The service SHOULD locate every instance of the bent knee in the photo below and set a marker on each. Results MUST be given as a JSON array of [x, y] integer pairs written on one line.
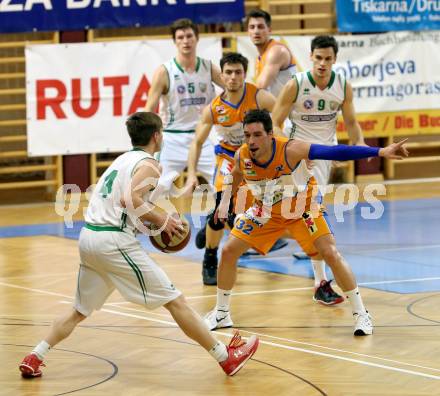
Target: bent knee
[[177, 303], [330, 254]]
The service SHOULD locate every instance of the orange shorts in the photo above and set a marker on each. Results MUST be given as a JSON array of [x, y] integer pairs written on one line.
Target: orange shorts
[[223, 167], [261, 235]]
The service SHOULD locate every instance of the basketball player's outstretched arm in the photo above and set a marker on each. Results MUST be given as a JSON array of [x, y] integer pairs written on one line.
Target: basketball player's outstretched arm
[[298, 150]]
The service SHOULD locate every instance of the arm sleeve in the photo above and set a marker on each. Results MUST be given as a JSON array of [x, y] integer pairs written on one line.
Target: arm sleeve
[[341, 152]]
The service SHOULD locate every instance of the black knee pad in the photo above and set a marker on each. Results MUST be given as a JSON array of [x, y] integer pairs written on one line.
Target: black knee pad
[[231, 220], [220, 225], [215, 226]]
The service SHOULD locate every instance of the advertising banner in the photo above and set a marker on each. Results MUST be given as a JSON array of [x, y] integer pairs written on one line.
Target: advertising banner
[[54, 15], [396, 83], [78, 96], [375, 16]]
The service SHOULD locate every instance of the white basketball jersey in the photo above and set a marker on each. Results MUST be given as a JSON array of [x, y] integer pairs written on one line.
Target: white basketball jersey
[[187, 95], [282, 78], [105, 207], [315, 111]]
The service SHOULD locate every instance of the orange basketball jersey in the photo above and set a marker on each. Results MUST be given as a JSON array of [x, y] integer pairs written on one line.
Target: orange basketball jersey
[[228, 117], [261, 60], [283, 75], [277, 180]]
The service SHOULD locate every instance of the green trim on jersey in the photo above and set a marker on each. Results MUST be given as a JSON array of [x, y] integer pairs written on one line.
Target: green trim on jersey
[[169, 81], [179, 131], [123, 220], [137, 272], [181, 68], [136, 164], [95, 227], [178, 66], [332, 80], [330, 83], [298, 88], [312, 81], [345, 88], [137, 149]]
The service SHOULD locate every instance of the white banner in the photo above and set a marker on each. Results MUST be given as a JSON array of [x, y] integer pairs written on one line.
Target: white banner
[[389, 72], [78, 96]]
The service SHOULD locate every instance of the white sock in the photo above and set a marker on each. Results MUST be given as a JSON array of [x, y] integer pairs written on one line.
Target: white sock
[[41, 349], [223, 299], [354, 296], [219, 352], [318, 271]]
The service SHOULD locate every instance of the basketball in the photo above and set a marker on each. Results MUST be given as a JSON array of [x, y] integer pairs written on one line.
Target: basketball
[[163, 242]]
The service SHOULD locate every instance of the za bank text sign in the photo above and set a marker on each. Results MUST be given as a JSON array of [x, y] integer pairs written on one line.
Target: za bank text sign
[[53, 15], [387, 15]]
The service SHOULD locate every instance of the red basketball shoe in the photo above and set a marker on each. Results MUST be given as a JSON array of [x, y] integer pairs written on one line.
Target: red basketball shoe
[[30, 366], [239, 352]]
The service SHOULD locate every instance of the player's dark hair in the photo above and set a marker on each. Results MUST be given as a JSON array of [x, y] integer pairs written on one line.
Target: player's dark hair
[[141, 127], [234, 58], [258, 13], [325, 42], [183, 23], [259, 115]]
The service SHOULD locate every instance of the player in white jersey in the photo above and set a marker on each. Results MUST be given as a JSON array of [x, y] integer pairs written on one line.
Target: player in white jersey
[[312, 101], [112, 258], [183, 86]]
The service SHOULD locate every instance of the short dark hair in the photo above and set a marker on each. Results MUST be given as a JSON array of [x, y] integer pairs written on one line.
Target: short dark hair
[[325, 42], [258, 13], [183, 23], [259, 115], [141, 127], [234, 57]]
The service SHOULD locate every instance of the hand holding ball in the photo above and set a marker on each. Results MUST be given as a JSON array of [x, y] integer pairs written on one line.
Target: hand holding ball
[[177, 242]]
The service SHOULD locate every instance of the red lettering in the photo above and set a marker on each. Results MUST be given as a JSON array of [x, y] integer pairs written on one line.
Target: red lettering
[[85, 112], [140, 97], [53, 102], [340, 126], [403, 122], [368, 125], [426, 121], [117, 83]]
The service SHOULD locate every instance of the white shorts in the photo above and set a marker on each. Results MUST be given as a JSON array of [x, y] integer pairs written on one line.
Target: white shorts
[[174, 156], [321, 170], [111, 259]]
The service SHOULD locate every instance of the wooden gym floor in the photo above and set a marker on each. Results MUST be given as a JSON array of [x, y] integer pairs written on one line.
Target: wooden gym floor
[[306, 349]]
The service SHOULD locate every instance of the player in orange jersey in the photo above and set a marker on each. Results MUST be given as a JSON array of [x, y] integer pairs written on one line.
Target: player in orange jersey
[[285, 199], [275, 65], [225, 113]]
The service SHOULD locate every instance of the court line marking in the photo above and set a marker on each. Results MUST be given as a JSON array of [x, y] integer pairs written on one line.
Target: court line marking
[[344, 251], [362, 362], [34, 290], [256, 292], [34, 276], [328, 355]]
